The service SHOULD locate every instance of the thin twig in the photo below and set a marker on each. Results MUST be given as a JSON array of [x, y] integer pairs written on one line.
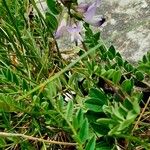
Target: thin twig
[[137, 122], [5, 134]]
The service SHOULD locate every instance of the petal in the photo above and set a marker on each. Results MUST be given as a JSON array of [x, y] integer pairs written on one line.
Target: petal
[[61, 29], [75, 30], [82, 7], [96, 21], [59, 33], [90, 12], [79, 37], [76, 37]]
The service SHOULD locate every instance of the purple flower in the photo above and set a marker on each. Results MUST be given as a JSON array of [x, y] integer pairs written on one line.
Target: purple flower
[[61, 29], [75, 30], [82, 7], [96, 21], [89, 10]]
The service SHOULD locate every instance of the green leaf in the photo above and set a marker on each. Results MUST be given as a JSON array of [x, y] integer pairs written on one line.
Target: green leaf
[[75, 123], [125, 124], [60, 103], [110, 55], [84, 131], [15, 79], [114, 130], [109, 73], [94, 105], [131, 115], [96, 101], [128, 104], [112, 50], [51, 20], [80, 117], [136, 106], [91, 144], [2, 142], [97, 36], [53, 6], [145, 68], [9, 75], [98, 94], [100, 128], [139, 75], [127, 86], [145, 60], [128, 66], [117, 114], [119, 60], [103, 49], [106, 121], [103, 147], [25, 85], [104, 56], [118, 55], [51, 90], [69, 111], [148, 56], [116, 76]]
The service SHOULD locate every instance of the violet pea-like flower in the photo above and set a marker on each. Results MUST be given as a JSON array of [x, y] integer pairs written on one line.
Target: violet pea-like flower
[[89, 10], [75, 30]]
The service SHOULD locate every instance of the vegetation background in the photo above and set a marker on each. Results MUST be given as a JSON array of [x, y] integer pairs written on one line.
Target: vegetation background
[[47, 102]]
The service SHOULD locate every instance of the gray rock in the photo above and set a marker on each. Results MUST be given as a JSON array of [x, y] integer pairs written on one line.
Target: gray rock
[[127, 26]]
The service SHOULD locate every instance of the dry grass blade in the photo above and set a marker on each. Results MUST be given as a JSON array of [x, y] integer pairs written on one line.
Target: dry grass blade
[[5, 134], [137, 122]]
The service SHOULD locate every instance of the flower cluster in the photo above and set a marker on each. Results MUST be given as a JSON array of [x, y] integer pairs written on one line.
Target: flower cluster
[[88, 13]]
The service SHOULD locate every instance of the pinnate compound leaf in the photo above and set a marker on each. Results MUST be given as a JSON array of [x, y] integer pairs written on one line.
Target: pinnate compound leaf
[[96, 101]]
